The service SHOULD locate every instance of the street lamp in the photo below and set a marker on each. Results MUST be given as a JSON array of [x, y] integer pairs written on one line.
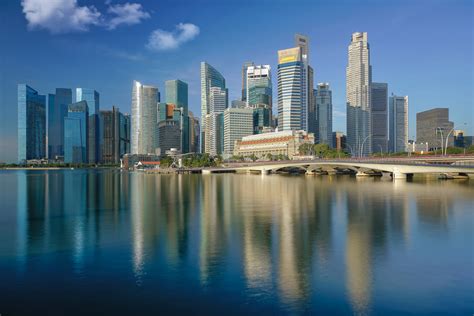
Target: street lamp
[[447, 137], [442, 138], [362, 146]]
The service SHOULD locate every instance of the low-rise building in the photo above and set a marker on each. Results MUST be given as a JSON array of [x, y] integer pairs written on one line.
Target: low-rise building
[[284, 143]]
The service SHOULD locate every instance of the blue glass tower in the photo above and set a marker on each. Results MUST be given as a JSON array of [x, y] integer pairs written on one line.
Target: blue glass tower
[[75, 133], [31, 124], [57, 110], [92, 98], [177, 94]]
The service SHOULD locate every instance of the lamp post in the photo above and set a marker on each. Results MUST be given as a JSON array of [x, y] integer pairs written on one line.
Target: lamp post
[[447, 137], [442, 138], [380, 146], [362, 146]]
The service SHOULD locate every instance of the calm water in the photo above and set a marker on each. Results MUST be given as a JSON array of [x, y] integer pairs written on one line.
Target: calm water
[[103, 242]]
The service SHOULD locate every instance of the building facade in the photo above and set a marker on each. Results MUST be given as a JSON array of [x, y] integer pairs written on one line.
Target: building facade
[[210, 77], [358, 80], [245, 66], [237, 124], [379, 120], [93, 102], [144, 119], [339, 141], [31, 124], [170, 135], [115, 130], [194, 133], [284, 143], [398, 123], [57, 110], [262, 118], [433, 126], [177, 94], [259, 86], [76, 138], [214, 134], [324, 114]]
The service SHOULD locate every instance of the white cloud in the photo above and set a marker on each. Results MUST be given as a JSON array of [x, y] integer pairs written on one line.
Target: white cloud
[[60, 16], [64, 16], [163, 40], [128, 13]]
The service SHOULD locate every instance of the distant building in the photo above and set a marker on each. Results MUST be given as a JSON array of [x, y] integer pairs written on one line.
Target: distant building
[[93, 102], [210, 77], [177, 94], [129, 161], [398, 123], [459, 138], [214, 133], [57, 110], [144, 123], [237, 124], [115, 130], [259, 86], [433, 126], [379, 121], [194, 133], [284, 143], [262, 118], [468, 141], [76, 140], [31, 124], [324, 114], [238, 104], [339, 141], [217, 100], [170, 135], [244, 79], [358, 80]]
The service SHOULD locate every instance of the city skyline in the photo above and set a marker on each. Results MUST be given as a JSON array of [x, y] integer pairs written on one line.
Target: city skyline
[[423, 88]]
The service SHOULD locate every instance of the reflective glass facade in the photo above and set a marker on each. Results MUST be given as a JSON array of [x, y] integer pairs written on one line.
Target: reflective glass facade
[[177, 94], [75, 133], [324, 114], [31, 124], [57, 110], [93, 102]]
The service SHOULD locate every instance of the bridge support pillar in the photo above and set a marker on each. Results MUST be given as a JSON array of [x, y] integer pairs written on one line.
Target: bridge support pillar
[[399, 175], [264, 172]]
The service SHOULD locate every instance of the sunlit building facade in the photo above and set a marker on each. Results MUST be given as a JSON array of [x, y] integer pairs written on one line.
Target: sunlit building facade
[[398, 123], [237, 124]]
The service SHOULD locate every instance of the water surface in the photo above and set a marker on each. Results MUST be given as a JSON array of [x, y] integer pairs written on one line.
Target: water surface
[[109, 242]]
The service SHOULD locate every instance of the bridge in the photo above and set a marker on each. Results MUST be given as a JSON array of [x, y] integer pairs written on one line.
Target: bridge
[[398, 168]]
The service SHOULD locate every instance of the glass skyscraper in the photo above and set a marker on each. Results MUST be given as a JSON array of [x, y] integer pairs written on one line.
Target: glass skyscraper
[[259, 85], [324, 114], [92, 98], [31, 124], [210, 77], [398, 123], [177, 94], [379, 109], [75, 133], [57, 110], [115, 130]]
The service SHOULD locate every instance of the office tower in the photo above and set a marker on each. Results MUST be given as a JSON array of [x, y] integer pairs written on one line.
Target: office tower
[[245, 66], [177, 94], [237, 124], [259, 86], [379, 120], [92, 98], [210, 77], [237, 104], [76, 139], [295, 86], [339, 141], [31, 124], [433, 126], [358, 80], [170, 135], [214, 133], [459, 138], [398, 123], [217, 100], [262, 118], [324, 114], [144, 123], [57, 110], [194, 133], [115, 128]]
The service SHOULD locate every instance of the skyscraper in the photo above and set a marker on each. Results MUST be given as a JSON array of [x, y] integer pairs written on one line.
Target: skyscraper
[[433, 126], [245, 66], [214, 133], [177, 94], [31, 124], [398, 123], [75, 133], [194, 133], [144, 123], [295, 86], [57, 110], [358, 80], [324, 114], [259, 85], [92, 98], [379, 120], [115, 129], [237, 124], [210, 77]]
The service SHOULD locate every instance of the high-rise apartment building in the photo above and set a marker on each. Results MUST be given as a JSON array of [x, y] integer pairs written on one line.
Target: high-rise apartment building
[[358, 80], [92, 98], [144, 119], [433, 126], [379, 120], [295, 87], [177, 94], [237, 124], [210, 77], [57, 110], [31, 124], [245, 66], [76, 139], [398, 123], [324, 114]]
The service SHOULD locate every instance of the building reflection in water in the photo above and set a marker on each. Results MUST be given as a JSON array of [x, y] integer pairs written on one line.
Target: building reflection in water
[[280, 231]]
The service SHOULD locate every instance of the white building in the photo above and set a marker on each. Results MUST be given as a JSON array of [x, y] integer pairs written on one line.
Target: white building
[[144, 120], [237, 124], [398, 123], [358, 81], [213, 134]]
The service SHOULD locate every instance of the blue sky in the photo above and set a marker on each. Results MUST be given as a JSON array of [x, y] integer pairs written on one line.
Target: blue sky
[[423, 49]]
